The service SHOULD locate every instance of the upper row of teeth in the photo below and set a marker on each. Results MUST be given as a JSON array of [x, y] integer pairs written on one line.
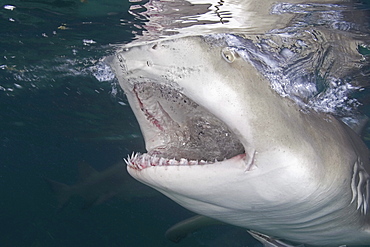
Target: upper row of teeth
[[141, 161]]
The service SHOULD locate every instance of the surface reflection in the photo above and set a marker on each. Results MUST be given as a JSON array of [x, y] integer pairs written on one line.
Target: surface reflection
[[166, 18], [314, 53]]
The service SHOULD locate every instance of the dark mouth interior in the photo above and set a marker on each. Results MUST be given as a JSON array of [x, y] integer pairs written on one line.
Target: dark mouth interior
[[189, 131]]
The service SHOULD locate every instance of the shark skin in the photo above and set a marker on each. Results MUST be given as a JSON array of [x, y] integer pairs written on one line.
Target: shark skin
[[223, 144], [98, 187]]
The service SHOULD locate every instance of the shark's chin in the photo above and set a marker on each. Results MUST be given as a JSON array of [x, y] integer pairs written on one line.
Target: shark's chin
[[178, 131]]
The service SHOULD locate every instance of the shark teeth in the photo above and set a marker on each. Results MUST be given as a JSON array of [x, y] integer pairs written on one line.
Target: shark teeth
[[141, 161]]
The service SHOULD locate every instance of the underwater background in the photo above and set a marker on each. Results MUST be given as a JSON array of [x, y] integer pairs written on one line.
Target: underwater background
[[60, 107]]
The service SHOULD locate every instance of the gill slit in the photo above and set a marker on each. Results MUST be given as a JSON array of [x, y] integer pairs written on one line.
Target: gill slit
[[360, 187]]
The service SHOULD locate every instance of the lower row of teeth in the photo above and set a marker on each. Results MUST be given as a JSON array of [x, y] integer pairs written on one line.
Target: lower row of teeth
[[141, 161]]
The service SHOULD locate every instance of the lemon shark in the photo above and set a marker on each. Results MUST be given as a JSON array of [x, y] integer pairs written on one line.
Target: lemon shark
[[223, 144]]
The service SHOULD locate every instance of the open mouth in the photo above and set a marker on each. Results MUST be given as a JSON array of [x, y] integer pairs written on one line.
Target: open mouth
[[188, 133]]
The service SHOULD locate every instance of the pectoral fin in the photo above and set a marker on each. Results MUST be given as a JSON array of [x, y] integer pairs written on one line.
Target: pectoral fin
[[268, 241], [182, 229]]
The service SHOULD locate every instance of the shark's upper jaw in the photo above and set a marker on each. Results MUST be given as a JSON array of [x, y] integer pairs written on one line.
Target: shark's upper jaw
[[185, 133]]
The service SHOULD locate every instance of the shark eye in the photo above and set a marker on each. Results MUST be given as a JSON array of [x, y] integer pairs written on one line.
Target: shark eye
[[228, 55]]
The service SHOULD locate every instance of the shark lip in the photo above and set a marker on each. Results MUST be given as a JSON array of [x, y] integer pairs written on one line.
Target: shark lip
[[185, 133]]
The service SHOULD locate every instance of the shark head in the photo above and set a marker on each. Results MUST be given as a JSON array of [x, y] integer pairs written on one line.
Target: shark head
[[210, 121], [222, 143]]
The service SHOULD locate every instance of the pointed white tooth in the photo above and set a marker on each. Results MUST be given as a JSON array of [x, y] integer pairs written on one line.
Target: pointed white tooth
[[183, 161], [154, 160], [161, 161], [193, 162], [126, 161], [148, 160], [173, 162]]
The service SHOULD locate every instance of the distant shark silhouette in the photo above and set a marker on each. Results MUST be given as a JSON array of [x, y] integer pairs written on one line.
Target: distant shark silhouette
[[98, 187]]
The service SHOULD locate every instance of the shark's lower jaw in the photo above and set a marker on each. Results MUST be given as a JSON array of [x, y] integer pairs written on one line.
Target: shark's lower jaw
[[139, 161], [188, 134]]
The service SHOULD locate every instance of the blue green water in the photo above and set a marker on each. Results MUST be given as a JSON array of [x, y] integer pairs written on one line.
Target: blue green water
[[58, 107]]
